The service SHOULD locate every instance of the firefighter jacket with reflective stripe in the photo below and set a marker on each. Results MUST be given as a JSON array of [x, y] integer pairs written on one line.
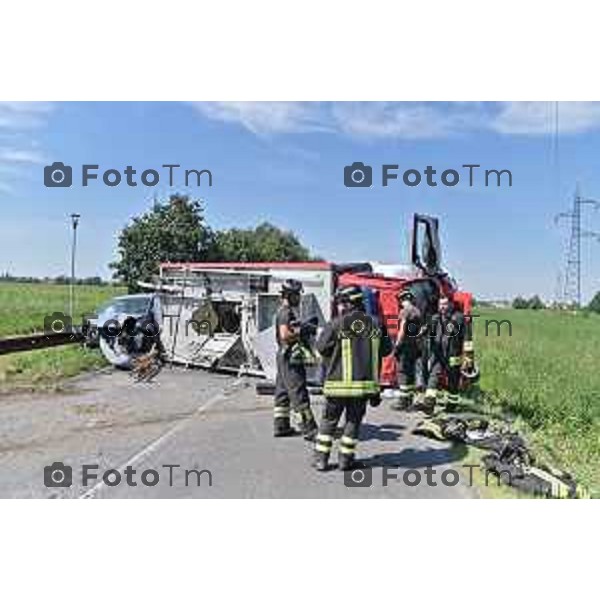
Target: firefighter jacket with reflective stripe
[[447, 335], [352, 362]]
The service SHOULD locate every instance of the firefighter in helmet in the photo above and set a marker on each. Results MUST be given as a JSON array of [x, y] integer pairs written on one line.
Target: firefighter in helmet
[[446, 340], [408, 349], [352, 346], [290, 385]]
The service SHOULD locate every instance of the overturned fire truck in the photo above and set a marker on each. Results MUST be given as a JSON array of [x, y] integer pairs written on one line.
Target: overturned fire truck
[[221, 315]]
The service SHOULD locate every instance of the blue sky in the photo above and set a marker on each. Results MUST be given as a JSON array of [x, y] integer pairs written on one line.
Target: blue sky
[[283, 162]]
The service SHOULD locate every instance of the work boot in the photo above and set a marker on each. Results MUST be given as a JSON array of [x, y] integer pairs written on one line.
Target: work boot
[[322, 451], [282, 428], [308, 425], [321, 461], [347, 462]]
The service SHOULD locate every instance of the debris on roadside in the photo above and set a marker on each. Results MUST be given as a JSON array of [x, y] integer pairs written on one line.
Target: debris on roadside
[[509, 457], [146, 367]]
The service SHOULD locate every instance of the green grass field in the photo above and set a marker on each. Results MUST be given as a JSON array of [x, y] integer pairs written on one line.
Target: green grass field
[[547, 376], [23, 306], [22, 311]]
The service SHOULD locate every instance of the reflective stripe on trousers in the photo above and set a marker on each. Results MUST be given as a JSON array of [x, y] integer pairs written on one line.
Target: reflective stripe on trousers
[[348, 445], [324, 443]]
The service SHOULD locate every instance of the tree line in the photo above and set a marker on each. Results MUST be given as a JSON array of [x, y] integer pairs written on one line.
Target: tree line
[[7, 277], [536, 303], [176, 231]]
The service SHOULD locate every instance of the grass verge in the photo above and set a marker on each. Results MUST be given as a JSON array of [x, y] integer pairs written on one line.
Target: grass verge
[[46, 369], [546, 377]]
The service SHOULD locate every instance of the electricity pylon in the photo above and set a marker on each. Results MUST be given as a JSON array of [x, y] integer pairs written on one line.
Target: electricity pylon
[[572, 289]]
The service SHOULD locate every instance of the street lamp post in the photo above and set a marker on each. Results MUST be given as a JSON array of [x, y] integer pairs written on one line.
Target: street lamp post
[[74, 222]]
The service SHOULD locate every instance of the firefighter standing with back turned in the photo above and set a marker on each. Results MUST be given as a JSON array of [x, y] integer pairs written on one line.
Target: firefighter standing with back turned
[[290, 384], [352, 347], [446, 340], [409, 349]]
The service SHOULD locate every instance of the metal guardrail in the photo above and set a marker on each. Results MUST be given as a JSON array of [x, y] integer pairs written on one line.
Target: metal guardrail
[[38, 341]]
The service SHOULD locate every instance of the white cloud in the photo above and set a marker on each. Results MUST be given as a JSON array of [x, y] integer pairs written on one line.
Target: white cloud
[[266, 117], [19, 115], [20, 156], [365, 119], [18, 148], [531, 118], [405, 120]]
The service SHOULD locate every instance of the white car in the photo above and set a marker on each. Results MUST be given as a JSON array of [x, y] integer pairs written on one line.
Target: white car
[[113, 316]]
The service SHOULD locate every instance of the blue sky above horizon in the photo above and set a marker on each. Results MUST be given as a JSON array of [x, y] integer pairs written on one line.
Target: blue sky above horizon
[[283, 162]]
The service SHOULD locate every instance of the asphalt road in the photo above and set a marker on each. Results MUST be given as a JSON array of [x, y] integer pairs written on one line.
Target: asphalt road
[[214, 427]]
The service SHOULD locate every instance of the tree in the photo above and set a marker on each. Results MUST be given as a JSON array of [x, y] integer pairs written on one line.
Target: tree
[[176, 231], [594, 305], [535, 303], [95, 280], [263, 243], [520, 302], [173, 231]]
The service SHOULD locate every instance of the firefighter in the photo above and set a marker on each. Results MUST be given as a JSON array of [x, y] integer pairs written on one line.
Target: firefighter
[[290, 385], [408, 349], [352, 346], [446, 340]]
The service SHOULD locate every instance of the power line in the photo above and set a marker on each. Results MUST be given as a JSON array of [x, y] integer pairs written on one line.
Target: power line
[[555, 169]]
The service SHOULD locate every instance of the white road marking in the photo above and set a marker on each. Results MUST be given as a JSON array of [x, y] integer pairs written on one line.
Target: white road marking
[[152, 446]]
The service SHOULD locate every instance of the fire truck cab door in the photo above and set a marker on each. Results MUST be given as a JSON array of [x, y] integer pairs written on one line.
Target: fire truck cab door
[[426, 252]]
